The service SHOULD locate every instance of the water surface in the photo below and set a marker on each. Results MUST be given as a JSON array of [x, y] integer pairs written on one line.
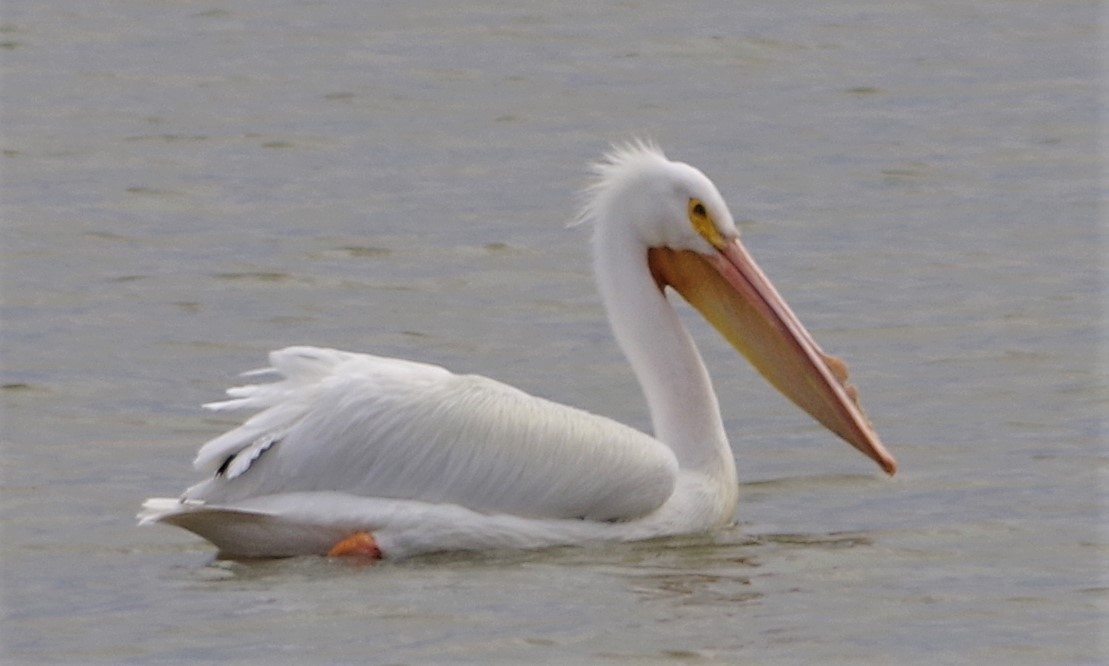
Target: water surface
[[187, 186]]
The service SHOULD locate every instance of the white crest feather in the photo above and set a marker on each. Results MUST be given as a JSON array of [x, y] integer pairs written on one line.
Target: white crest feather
[[620, 159]]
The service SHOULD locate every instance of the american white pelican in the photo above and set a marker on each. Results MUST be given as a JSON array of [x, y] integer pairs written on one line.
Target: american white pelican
[[352, 453]]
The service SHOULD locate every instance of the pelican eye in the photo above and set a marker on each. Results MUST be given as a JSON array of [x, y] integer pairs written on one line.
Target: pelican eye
[[703, 224]]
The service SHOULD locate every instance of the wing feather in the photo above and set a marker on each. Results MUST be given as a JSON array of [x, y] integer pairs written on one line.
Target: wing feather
[[379, 427]]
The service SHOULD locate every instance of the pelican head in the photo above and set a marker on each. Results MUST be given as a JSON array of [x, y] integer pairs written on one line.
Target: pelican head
[[670, 220], [659, 203]]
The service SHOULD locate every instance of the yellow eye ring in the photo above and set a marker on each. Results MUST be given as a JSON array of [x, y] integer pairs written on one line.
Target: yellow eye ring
[[703, 224]]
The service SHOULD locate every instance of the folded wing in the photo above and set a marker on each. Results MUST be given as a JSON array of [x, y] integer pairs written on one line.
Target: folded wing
[[381, 427]]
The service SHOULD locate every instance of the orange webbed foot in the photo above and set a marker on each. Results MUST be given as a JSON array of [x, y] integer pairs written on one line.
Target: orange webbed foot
[[359, 544]]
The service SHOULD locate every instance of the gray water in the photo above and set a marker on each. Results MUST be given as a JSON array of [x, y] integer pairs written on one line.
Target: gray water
[[186, 186]]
